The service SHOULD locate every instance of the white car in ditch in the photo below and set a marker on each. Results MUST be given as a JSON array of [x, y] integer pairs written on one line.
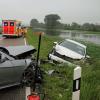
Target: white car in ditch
[[67, 51]]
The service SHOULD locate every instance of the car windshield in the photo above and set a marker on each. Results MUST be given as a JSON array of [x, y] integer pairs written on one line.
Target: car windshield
[[74, 47]]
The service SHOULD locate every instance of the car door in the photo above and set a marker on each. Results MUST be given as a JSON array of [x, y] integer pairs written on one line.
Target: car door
[[6, 71], [18, 66]]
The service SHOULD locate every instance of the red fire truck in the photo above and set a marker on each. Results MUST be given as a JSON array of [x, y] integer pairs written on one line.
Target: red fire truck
[[11, 28]]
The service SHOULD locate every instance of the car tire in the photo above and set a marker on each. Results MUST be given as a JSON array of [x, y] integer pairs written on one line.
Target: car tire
[[28, 77]]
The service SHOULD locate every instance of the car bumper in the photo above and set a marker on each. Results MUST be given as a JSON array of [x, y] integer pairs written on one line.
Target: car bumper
[[57, 59]]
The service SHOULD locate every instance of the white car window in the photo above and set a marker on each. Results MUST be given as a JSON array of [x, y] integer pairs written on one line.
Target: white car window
[[74, 47]]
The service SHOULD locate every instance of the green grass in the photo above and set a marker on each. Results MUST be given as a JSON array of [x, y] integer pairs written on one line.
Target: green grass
[[91, 32], [59, 85], [87, 32], [0, 30], [82, 31], [46, 44]]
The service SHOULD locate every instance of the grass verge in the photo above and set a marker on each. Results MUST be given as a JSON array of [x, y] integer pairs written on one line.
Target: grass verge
[[59, 85]]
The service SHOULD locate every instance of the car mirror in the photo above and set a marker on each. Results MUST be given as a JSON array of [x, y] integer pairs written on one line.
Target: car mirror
[[55, 43]]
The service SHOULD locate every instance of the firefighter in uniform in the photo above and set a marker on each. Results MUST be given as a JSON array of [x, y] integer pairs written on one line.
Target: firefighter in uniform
[[24, 31]]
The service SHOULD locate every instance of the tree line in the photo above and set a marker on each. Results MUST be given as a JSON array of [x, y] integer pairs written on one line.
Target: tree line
[[52, 22]]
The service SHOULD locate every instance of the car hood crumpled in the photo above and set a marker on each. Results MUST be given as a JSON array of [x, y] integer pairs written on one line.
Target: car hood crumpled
[[67, 52], [20, 50]]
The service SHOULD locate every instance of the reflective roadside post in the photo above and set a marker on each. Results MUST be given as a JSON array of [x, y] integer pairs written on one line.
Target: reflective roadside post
[[38, 73], [38, 52], [39, 43], [34, 93], [38, 77], [76, 83]]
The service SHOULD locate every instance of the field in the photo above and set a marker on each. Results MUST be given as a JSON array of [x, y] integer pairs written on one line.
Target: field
[[59, 85]]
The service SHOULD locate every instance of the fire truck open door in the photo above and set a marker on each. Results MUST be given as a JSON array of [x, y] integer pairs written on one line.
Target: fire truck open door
[[11, 28], [5, 27]]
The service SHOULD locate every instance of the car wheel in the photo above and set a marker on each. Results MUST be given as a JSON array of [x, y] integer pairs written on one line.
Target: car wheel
[[28, 77]]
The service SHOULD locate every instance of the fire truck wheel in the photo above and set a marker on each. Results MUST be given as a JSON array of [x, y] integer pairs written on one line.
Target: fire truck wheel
[[28, 77]]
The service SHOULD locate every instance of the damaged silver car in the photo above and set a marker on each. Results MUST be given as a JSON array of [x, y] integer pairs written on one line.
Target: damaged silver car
[[67, 51], [16, 65]]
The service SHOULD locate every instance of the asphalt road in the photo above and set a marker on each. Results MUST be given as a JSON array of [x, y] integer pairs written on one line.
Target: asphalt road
[[12, 93], [11, 41]]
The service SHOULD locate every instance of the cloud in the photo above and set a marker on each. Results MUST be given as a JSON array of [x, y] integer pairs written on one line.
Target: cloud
[[69, 10]]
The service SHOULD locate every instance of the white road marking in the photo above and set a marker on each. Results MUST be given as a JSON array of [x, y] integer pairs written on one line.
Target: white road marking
[[25, 41], [2, 38], [27, 91]]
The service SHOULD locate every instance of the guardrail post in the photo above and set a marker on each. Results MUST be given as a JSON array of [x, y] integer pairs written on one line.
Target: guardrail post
[[76, 83]]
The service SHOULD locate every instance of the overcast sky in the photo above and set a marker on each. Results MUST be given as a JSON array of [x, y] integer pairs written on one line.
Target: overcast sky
[[79, 11]]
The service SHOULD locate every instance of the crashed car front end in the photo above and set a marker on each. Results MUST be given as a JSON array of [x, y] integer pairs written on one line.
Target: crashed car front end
[[68, 52], [56, 57], [16, 68]]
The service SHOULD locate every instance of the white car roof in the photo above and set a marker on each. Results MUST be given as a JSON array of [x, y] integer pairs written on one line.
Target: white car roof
[[76, 43]]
